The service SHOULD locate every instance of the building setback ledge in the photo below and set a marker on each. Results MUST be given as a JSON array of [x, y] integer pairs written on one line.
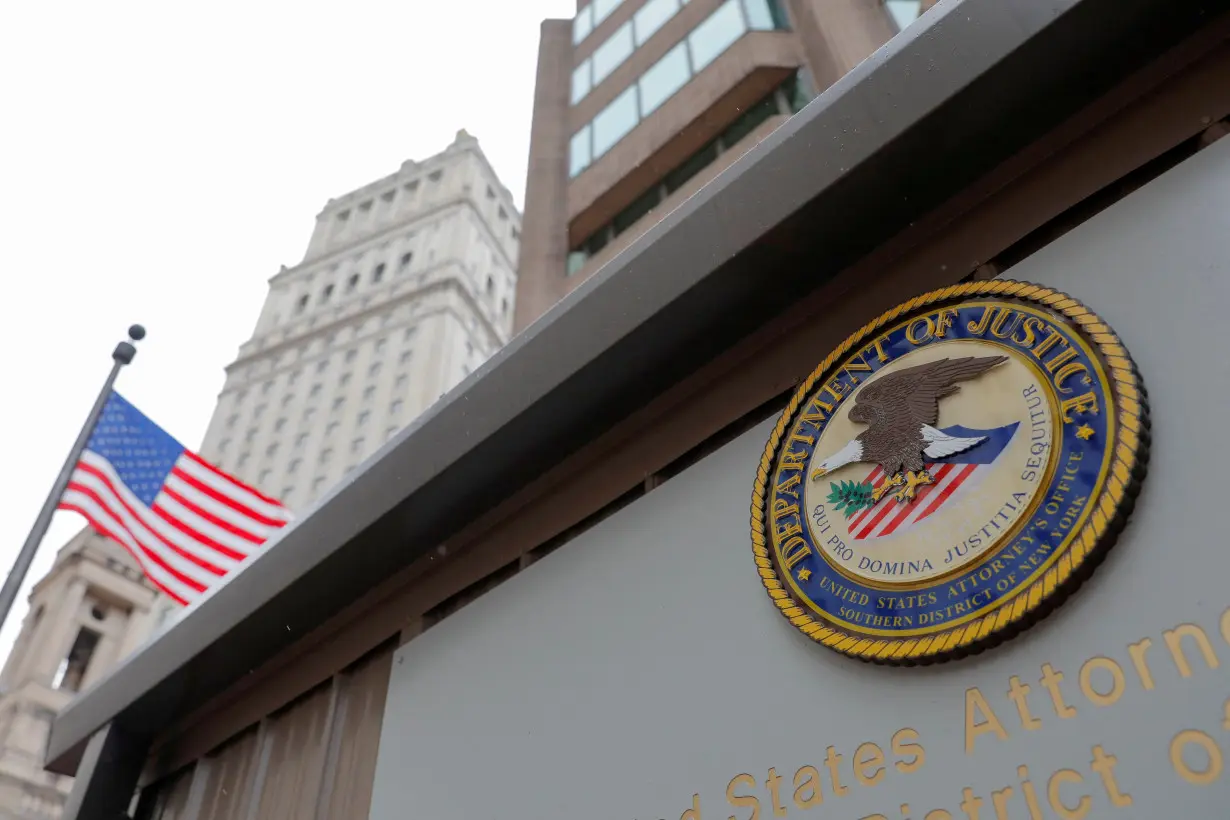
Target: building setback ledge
[[938, 107]]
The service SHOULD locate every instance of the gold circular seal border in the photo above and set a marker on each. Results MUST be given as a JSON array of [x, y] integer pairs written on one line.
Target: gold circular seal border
[[1077, 556]]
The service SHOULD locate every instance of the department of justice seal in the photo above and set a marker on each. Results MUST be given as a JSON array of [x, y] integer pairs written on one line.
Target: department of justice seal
[[950, 473]]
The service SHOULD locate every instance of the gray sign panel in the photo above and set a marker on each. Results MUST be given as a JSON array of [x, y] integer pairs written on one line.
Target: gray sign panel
[[642, 672]]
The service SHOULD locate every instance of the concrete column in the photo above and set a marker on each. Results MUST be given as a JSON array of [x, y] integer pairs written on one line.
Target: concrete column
[[541, 279], [140, 627], [21, 648], [105, 655], [57, 634], [837, 35]]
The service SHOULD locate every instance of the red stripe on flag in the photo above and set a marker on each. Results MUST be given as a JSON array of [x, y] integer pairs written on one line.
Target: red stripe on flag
[[160, 541], [220, 523], [914, 505], [110, 505], [104, 530], [227, 500], [966, 471], [886, 507], [230, 478], [198, 537]]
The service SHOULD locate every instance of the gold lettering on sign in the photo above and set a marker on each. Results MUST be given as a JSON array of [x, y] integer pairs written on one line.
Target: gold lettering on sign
[[920, 330], [1051, 680], [832, 760], [869, 764], [1136, 651], [1117, 681], [1104, 765], [1027, 790], [1066, 810], [1195, 755], [906, 745], [807, 793], [1174, 642], [794, 551], [1212, 769], [1084, 403], [743, 800], [1017, 693], [975, 705], [773, 783]]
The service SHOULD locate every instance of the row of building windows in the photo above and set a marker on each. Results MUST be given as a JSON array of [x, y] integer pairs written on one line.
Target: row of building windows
[[591, 16], [358, 449], [325, 456], [620, 45], [704, 44], [349, 356], [789, 98], [352, 283], [369, 392]]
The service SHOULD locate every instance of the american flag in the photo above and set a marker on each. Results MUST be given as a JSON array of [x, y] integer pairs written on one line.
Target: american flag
[[187, 523], [952, 475]]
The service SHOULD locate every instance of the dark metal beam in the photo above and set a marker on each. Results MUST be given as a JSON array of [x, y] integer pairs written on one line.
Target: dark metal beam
[[107, 776], [938, 107]]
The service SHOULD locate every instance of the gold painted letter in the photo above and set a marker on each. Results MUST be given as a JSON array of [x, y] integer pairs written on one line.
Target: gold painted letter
[[746, 800], [906, 745], [807, 791], [974, 703], [1061, 808]]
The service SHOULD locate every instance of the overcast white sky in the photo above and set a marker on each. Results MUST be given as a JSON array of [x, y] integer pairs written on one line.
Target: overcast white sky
[[159, 161]]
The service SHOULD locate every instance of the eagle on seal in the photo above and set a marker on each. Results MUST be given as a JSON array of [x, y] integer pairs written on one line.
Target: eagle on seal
[[901, 410]]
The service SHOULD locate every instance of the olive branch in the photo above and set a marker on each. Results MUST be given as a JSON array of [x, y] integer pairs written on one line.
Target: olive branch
[[850, 496]]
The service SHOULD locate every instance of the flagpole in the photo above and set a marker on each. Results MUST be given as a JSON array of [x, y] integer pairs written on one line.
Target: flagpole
[[123, 354]]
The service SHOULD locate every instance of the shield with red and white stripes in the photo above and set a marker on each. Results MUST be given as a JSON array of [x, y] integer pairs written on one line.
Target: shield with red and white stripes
[[954, 476]]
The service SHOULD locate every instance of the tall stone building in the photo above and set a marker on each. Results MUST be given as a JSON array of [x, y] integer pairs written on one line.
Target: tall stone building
[[639, 103], [408, 284]]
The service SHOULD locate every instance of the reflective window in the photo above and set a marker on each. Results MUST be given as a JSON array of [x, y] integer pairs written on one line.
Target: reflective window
[[580, 82], [765, 15], [651, 16], [603, 8], [614, 51], [582, 24], [716, 34], [697, 50], [614, 121], [903, 12], [786, 99], [664, 78], [578, 152]]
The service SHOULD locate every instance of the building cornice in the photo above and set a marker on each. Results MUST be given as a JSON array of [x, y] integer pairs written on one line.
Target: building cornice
[[388, 233], [333, 325]]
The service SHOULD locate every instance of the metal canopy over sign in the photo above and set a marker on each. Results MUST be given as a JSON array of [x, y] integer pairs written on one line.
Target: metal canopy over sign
[[950, 473]]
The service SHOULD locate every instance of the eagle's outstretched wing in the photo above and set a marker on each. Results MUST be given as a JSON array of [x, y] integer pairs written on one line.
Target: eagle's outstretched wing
[[916, 391]]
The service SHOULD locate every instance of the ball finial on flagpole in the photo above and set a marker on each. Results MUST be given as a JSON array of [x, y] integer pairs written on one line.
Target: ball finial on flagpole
[[124, 351]]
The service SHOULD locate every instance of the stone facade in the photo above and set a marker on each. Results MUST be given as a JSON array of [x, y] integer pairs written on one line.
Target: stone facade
[[407, 286], [93, 608]]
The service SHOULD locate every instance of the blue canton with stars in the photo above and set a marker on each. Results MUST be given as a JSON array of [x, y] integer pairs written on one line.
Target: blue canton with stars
[[141, 452]]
